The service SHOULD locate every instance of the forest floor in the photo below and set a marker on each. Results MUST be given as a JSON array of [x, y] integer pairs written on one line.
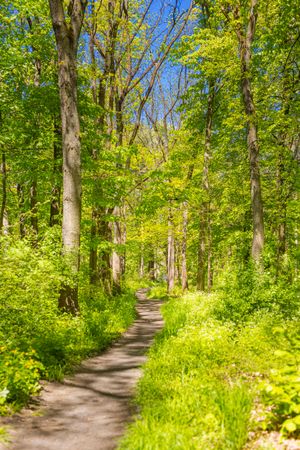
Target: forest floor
[[90, 409]]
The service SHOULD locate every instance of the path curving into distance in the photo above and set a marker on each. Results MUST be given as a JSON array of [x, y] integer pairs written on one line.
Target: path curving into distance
[[89, 411]]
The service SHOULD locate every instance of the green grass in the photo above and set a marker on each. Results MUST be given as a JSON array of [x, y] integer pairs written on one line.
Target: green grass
[[201, 378]]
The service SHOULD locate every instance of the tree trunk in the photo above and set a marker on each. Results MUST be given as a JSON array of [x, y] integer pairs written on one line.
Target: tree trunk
[[207, 158], [252, 134], [105, 233], [33, 209], [201, 253], [142, 264], [151, 265], [22, 228], [94, 230], [209, 253], [204, 246], [116, 258], [57, 170], [171, 255], [119, 228], [282, 210], [184, 276], [93, 260], [101, 230], [3, 212], [67, 32]]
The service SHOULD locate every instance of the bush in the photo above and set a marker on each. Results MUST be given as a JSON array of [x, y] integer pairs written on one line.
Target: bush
[[282, 390], [243, 291], [35, 337], [20, 373]]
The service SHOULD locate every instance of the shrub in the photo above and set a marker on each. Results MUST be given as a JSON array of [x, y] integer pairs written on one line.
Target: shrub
[[35, 337], [282, 389], [20, 373]]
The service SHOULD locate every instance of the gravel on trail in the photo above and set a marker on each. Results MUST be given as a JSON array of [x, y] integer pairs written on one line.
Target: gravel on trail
[[90, 410]]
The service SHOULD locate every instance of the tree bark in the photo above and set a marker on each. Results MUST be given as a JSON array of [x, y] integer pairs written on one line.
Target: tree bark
[[67, 32], [245, 41], [209, 253], [33, 209], [4, 192], [184, 276], [93, 257], [116, 257], [151, 265], [171, 254], [282, 208], [57, 171], [3, 211], [201, 253], [22, 228], [118, 266], [142, 264], [105, 232], [95, 271], [204, 246]]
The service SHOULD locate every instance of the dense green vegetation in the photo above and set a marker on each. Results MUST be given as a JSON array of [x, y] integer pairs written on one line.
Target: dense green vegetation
[[212, 375], [147, 142], [37, 340]]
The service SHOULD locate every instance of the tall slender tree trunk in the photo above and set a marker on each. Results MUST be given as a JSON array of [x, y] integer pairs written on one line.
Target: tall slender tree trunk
[[102, 262], [33, 209], [282, 209], [142, 263], [201, 253], [118, 266], [171, 254], [93, 257], [57, 171], [67, 32], [94, 230], [3, 211], [104, 257], [123, 239], [204, 246], [184, 275], [245, 41], [20, 193], [209, 252], [151, 265], [116, 259]]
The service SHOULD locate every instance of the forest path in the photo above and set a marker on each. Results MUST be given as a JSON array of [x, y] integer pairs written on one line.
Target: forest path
[[90, 409]]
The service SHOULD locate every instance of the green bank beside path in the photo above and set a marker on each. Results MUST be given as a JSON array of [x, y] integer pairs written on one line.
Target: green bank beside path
[[37, 340], [211, 383]]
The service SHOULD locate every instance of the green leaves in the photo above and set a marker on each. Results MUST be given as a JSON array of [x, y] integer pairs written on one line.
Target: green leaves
[[282, 390]]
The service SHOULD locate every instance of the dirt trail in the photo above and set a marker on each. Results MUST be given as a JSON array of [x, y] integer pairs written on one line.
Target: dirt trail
[[89, 411]]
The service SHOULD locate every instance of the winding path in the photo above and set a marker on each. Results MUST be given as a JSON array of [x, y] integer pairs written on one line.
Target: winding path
[[90, 410]]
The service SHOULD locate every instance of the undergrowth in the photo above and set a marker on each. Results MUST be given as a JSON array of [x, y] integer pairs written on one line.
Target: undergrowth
[[37, 341], [208, 370]]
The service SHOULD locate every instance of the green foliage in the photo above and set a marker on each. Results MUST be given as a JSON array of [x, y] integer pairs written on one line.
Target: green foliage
[[19, 377], [158, 291], [36, 339], [282, 390], [245, 290], [205, 370], [191, 395]]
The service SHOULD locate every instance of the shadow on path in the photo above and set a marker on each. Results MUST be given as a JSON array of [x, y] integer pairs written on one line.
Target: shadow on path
[[90, 410]]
